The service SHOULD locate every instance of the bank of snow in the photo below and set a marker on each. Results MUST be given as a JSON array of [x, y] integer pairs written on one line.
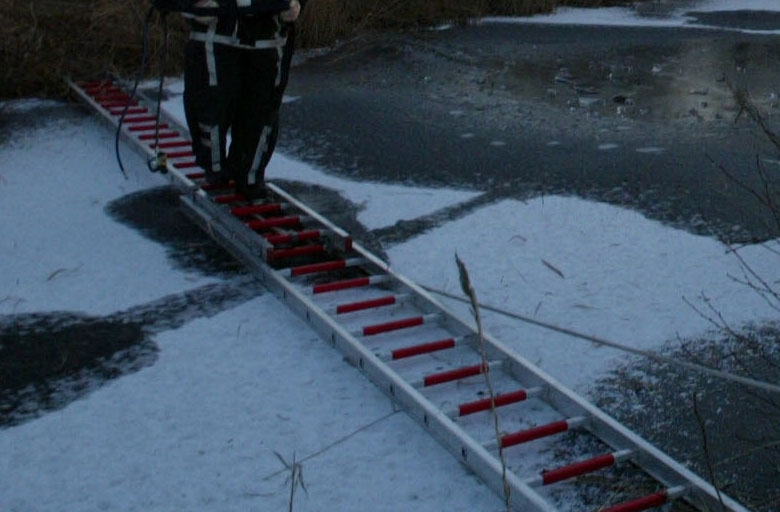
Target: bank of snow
[[684, 15]]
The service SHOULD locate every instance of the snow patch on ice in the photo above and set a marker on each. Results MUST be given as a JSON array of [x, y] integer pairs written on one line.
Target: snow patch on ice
[[593, 267]]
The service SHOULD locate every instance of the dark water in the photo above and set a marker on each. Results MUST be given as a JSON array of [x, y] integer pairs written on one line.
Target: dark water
[[643, 118], [675, 409]]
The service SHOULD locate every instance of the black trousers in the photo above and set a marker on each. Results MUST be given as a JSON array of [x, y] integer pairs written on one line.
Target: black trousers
[[236, 90]]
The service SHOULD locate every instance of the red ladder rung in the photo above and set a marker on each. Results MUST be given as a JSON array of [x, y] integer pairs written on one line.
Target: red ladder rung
[[295, 251], [273, 222], [94, 91], [146, 127], [395, 325], [457, 374], [256, 209], [318, 267], [651, 500], [139, 119], [111, 96], [196, 175], [185, 165], [286, 238], [484, 404], [171, 144], [577, 468], [341, 285], [530, 434], [161, 135], [423, 348], [365, 304]]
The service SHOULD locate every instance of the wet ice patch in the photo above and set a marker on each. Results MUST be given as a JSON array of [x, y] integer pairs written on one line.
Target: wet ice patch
[[607, 146]]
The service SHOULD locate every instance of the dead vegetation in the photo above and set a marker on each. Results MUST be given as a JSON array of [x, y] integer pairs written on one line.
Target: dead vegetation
[[43, 40]]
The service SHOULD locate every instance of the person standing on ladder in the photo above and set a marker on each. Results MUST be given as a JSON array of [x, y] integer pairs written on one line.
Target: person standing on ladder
[[236, 70]]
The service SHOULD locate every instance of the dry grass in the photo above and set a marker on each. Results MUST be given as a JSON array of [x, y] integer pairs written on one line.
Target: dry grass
[[43, 40]]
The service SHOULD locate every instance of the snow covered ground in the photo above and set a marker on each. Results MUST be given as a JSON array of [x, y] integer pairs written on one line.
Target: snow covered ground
[[669, 13], [199, 429]]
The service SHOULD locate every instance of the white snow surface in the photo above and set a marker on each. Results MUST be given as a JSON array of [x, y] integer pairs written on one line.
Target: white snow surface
[[199, 429], [60, 251], [596, 268], [630, 17]]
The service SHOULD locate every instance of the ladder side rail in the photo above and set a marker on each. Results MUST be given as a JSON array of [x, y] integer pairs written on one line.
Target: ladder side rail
[[174, 175], [244, 244], [650, 458], [125, 133], [175, 123], [442, 428], [237, 229]]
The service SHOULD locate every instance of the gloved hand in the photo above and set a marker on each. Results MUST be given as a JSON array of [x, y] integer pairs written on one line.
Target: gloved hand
[[291, 14], [205, 20]]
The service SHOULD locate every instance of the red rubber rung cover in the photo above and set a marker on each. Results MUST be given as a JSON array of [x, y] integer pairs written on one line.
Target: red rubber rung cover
[[161, 135], [171, 144], [423, 348], [307, 234], [295, 251], [458, 373], [318, 267], [146, 127], [534, 433], [577, 468], [139, 119], [255, 209], [651, 500], [196, 175], [111, 96], [180, 154], [484, 404], [341, 285], [260, 224], [185, 165], [365, 304], [370, 330]]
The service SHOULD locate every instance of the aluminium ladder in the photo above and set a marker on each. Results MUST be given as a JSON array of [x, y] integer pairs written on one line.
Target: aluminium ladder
[[409, 344]]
